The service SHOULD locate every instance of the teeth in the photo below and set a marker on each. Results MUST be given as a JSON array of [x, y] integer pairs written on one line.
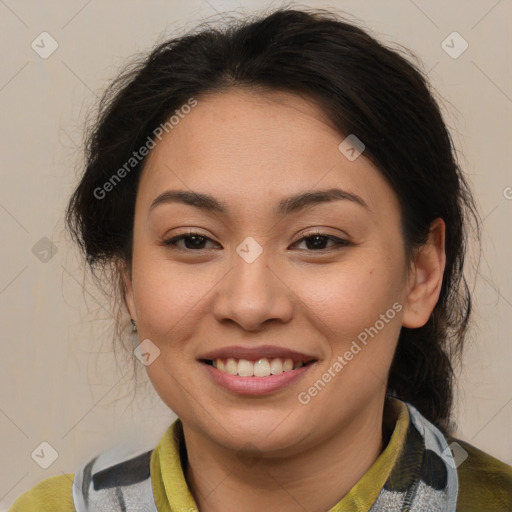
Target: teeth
[[245, 368], [260, 368], [276, 366], [231, 366]]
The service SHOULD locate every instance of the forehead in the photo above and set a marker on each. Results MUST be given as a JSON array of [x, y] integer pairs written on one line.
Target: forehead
[[253, 147]]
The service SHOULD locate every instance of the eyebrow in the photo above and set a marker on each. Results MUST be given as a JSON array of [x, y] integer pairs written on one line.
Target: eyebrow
[[286, 206]]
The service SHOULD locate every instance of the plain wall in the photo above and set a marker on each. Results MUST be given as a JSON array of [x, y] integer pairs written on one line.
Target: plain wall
[[60, 382]]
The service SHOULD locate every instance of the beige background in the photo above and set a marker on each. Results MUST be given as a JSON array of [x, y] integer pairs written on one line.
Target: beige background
[[60, 383]]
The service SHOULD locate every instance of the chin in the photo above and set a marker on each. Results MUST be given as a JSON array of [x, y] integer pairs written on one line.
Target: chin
[[264, 431]]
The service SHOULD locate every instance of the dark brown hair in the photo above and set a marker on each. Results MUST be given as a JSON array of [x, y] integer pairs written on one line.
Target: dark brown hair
[[364, 88]]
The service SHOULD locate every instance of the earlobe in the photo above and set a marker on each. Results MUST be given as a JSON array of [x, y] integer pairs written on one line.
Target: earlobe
[[426, 277]]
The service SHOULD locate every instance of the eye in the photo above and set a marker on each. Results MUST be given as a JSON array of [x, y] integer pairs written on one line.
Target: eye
[[193, 241], [316, 241]]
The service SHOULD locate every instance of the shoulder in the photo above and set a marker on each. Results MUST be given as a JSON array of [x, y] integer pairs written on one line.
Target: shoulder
[[50, 495], [108, 481], [485, 483]]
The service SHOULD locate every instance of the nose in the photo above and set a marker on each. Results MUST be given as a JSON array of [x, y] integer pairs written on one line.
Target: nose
[[252, 294]]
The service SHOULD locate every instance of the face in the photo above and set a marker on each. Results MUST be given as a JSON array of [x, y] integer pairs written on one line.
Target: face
[[320, 281]]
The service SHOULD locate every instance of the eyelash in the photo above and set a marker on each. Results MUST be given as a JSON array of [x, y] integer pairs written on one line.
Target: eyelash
[[339, 242]]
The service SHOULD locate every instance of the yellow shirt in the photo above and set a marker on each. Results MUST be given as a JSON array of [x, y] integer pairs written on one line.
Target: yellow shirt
[[484, 479]]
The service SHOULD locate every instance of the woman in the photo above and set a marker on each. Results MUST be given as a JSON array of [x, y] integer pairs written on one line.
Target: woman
[[281, 207]]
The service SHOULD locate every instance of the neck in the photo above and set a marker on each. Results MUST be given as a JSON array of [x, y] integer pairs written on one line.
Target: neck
[[314, 479]]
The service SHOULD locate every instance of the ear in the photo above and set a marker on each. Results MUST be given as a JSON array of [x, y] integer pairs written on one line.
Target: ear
[[128, 295], [426, 277]]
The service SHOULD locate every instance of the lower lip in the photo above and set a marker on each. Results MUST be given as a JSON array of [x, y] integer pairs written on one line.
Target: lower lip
[[255, 386]]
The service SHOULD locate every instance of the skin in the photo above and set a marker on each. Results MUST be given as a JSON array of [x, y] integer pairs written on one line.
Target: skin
[[250, 150]]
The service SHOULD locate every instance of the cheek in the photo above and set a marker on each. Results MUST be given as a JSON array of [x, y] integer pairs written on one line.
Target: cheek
[[357, 309], [350, 296], [167, 293]]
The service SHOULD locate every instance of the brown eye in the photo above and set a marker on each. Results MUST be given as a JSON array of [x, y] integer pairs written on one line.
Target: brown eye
[[192, 241], [317, 241]]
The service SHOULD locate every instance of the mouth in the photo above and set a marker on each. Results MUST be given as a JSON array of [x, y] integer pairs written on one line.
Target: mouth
[[261, 367], [256, 371]]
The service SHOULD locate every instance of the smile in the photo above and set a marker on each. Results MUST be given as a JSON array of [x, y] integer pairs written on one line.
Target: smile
[[257, 370], [263, 367]]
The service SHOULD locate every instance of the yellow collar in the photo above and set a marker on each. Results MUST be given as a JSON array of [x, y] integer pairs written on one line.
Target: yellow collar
[[173, 495]]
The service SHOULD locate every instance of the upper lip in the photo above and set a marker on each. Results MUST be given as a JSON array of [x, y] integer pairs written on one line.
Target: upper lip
[[255, 353]]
